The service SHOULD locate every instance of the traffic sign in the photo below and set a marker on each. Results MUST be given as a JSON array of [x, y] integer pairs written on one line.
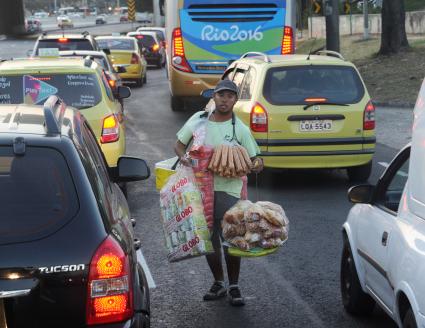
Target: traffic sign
[[347, 7], [131, 4], [317, 6]]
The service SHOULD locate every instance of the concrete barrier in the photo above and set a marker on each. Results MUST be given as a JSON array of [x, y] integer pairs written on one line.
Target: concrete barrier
[[415, 24]]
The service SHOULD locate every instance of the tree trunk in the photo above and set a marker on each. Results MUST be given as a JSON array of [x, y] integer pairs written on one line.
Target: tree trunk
[[393, 37]]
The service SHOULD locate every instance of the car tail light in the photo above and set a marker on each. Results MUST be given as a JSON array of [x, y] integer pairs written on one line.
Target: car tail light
[[369, 117], [139, 36], [155, 47], [110, 129], [63, 40], [134, 59], [112, 83], [109, 297], [258, 119], [179, 59], [287, 41]]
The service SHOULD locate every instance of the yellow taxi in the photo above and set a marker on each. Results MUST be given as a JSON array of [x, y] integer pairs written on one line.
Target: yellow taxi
[[81, 83], [125, 52], [306, 111]]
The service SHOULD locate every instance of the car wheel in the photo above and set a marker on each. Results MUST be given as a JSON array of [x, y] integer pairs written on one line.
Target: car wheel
[[139, 82], [159, 63], [177, 104], [360, 173], [409, 320], [145, 78], [354, 299]]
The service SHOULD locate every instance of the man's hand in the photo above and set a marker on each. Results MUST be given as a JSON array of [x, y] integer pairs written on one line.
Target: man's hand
[[185, 160], [257, 164]]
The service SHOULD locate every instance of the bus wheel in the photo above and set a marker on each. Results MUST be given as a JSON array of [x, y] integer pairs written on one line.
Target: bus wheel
[[177, 104]]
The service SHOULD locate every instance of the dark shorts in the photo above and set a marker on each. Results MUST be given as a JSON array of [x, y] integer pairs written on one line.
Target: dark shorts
[[222, 203]]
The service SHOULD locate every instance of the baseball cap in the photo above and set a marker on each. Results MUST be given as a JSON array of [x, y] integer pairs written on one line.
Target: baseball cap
[[226, 85]]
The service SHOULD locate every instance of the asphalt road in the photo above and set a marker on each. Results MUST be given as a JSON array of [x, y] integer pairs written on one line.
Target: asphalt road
[[296, 287]]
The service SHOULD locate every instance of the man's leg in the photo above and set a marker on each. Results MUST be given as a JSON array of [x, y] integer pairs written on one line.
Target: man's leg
[[214, 259], [233, 264]]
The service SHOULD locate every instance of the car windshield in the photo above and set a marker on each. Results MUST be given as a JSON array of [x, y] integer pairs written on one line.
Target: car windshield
[[116, 44], [145, 41], [77, 90], [37, 194], [293, 85], [65, 44]]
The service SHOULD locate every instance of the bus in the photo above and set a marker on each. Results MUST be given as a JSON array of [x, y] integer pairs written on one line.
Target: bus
[[204, 36]]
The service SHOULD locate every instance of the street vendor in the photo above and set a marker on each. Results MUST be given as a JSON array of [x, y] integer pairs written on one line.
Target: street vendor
[[223, 127]]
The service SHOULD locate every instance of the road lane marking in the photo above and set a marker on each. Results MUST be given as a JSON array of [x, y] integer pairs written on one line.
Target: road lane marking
[[141, 260]]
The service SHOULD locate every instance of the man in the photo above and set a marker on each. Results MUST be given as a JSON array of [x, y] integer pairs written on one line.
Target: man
[[222, 127]]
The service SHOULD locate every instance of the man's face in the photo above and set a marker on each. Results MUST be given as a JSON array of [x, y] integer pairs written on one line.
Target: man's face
[[224, 101]]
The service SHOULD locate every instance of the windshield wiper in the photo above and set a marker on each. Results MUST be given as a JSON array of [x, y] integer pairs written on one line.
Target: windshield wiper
[[323, 103]]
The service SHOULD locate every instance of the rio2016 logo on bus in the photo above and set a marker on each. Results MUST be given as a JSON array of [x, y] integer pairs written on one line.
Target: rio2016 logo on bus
[[211, 33]]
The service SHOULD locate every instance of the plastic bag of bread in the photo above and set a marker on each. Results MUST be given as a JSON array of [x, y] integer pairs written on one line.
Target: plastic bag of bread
[[255, 229], [233, 230], [236, 214]]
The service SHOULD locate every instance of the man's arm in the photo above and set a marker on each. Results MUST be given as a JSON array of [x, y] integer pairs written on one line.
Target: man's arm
[[180, 150]]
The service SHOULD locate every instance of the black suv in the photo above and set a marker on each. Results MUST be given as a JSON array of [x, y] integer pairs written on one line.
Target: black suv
[[68, 253], [63, 42]]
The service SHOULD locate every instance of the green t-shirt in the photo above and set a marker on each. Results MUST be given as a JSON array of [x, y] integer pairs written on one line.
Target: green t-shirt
[[218, 133]]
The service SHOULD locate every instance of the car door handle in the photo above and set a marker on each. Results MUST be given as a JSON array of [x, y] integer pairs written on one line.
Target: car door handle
[[384, 238], [137, 244]]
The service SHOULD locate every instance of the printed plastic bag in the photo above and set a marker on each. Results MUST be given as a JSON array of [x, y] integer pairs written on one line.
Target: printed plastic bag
[[184, 224]]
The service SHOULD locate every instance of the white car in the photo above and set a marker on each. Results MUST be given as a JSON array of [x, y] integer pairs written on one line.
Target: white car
[[41, 14], [383, 260]]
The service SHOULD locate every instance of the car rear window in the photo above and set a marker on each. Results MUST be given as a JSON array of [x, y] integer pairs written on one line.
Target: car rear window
[[116, 44], [77, 90], [146, 41], [64, 44], [37, 194], [293, 85]]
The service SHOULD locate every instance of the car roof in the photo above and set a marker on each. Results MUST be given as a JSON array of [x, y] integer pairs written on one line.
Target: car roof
[[32, 119], [58, 64], [147, 33], [298, 59], [103, 37], [93, 53], [65, 35]]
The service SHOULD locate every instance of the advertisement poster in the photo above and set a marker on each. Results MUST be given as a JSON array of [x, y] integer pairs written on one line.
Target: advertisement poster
[[35, 91]]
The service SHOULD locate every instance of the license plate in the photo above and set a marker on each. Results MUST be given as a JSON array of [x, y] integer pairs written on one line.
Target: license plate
[[316, 125]]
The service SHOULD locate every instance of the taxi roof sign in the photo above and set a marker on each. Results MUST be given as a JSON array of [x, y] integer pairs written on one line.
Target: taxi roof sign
[[48, 52]]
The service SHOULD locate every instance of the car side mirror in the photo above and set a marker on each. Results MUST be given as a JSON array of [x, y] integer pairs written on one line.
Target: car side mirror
[[107, 51], [123, 92], [120, 69], [30, 53], [361, 194], [207, 93], [131, 169]]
